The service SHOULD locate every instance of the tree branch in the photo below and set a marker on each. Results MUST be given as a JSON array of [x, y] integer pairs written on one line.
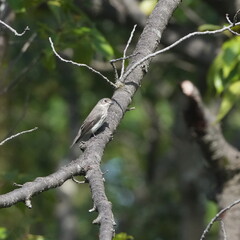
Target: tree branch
[[88, 164], [16, 135], [80, 64], [208, 132], [154, 54], [13, 30]]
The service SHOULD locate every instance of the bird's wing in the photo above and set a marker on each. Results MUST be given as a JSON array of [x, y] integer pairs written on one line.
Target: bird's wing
[[89, 122], [87, 125]]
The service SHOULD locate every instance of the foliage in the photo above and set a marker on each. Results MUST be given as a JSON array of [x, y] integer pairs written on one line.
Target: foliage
[[122, 236], [144, 170], [224, 75], [3, 233]]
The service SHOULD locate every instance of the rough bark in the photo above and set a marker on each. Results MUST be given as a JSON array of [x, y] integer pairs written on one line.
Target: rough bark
[[88, 164], [223, 159]]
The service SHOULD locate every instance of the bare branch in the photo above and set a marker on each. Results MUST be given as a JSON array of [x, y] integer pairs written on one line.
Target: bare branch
[[235, 17], [149, 56], [218, 217], [223, 229], [13, 30], [228, 19], [207, 132], [88, 164], [125, 50], [119, 59], [80, 64], [18, 134], [28, 190]]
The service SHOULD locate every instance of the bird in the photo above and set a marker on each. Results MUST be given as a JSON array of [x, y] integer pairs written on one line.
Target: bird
[[93, 121]]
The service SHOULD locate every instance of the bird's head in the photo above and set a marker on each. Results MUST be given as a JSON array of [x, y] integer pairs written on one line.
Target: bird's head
[[106, 102]]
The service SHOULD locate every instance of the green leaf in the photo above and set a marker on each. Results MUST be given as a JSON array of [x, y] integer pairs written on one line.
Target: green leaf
[[215, 76], [101, 44], [225, 69], [123, 236], [80, 31], [3, 233], [234, 88], [54, 3], [229, 99]]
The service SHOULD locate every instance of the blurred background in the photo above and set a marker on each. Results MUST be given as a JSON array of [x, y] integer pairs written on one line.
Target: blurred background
[[156, 177]]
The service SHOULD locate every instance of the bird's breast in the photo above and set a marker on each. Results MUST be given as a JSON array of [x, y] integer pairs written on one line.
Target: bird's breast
[[99, 123]]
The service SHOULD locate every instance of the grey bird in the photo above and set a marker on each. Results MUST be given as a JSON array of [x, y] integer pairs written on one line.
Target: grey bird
[[94, 120]]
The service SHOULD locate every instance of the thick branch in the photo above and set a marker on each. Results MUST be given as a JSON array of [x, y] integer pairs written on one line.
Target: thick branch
[[40, 184], [208, 132], [223, 159], [88, 163]]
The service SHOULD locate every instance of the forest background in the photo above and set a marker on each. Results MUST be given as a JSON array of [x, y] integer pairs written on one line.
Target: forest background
[[156, 176]]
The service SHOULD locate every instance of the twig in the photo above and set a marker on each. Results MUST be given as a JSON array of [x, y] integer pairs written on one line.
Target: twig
[[123, 58], [120, 59], [13, 30], [18, 134], [175, 44], [80, 64], [235, 17], [228, 19], [125, 50], [218, 217], [115, 69], [223, 230]]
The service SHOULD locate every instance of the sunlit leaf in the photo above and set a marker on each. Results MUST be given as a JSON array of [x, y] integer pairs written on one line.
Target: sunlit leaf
[[225, 69], [54, 3], [234, 88], [82, 30], [123, 236], [3, 233], [101, 44], [229, 99]]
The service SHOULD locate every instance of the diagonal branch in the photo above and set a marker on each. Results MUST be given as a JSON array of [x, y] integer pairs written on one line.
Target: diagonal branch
[[218, 217], [208, 132], [16, 135], [154, 54], [13, 30], [80, 64], [88, 164]]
